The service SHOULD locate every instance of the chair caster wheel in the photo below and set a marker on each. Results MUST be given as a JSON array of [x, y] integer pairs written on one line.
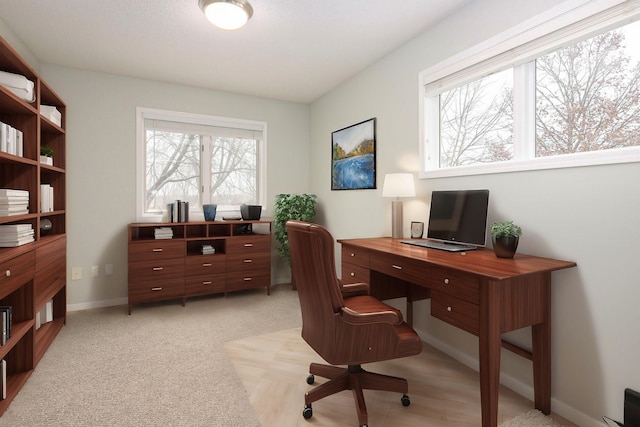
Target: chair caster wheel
[[311, 379], [307, 412], [405, 400]]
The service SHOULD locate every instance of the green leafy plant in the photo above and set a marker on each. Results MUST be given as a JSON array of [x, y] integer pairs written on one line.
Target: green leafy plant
[[46, 151], [505, 229], [300, 207]]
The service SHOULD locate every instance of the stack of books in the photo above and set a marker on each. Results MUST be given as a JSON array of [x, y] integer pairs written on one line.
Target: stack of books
[[11, 140], [6, 318], [46, 198], [163, 233], [13, 202], [178, 211], [15, 235], [208, 250]]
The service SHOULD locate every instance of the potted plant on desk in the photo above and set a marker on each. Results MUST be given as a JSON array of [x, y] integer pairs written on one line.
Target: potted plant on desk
[[505, 236]]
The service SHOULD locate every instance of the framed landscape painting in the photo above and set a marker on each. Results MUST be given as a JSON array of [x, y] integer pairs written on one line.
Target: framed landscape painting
[[353, 157]]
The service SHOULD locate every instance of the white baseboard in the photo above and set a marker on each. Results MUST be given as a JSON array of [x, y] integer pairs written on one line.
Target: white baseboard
[[97, 304], [525, 390]]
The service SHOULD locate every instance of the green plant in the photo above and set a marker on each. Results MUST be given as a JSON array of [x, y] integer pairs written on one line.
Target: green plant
[[301, 207], [46, 151], [505, 229]]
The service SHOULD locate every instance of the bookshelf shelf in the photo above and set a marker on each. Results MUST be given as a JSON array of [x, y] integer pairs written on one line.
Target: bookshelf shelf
[[32, 273]]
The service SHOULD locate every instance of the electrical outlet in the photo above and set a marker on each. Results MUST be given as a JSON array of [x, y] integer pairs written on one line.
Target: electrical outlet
[[94, 271], [108, 269], [76, 273]]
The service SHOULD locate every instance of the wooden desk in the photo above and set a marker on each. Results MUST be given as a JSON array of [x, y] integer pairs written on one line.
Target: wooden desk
[[474, 291]]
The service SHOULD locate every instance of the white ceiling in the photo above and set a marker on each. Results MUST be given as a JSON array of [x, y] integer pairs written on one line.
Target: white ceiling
[[295, 50]]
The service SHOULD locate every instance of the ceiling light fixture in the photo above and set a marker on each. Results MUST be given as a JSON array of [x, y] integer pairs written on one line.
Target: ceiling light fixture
[[227, 14]]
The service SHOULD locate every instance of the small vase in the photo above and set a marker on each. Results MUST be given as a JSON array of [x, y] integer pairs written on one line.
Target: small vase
[[209, 212], [505, 247]]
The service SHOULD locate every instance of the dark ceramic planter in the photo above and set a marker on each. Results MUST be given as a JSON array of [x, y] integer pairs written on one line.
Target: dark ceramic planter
[[505, 247]]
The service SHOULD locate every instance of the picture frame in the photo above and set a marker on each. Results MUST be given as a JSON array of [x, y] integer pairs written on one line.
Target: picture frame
[[417, 229], [353, 157]]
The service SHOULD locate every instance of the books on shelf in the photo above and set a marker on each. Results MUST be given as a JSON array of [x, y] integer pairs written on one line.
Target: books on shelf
[[3, 386], [163, 233], [13, 202], [6, 318], [45, 315], [15, 235], [208, 250], [178, 211], [46, 198], [11, 140]]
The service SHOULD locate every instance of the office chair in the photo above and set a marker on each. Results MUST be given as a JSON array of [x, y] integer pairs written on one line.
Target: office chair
[[344, 324]]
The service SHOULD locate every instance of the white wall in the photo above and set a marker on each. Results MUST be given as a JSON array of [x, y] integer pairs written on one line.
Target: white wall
[[588, 215], [101, 174]]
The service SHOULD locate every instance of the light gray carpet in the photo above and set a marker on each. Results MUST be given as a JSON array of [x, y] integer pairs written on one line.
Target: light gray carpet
[[163, 365]]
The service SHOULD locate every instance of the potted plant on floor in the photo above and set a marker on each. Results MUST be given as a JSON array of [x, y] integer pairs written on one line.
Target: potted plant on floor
[[505, 236]]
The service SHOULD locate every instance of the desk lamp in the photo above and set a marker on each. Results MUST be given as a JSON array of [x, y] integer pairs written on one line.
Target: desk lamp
[[397, 185]]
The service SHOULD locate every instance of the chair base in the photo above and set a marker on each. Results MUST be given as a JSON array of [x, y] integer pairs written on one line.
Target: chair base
[[356, 379]]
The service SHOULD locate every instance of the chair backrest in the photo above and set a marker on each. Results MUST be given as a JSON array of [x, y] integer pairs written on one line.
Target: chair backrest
[[313, 266]]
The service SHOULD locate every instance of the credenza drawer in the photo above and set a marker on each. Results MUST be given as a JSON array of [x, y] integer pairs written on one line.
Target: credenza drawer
[[401, 268], [457, 284], [197, 265], [156, 290], [154, 250], [352, 273], [248, 244], [154, 270], [205, 284], [455, 311], [355, 256], [248, 280], [17, 271], [249, 261]]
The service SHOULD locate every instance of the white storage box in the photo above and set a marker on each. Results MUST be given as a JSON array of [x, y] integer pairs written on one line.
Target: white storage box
[[51, 113], [19, 85]]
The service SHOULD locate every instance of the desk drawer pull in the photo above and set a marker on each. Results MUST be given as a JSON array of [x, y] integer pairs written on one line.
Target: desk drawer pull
[[248, 261], [206, 264], [7, 273], [157, 250], [397, 267], [158, 268], [156, 289], [248, 245], [247, 279], [449, 308], [353, 274], [352, 254], [207, 282], [446, 281]]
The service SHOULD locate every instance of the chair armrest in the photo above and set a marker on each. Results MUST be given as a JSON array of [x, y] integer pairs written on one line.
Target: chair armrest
[[354, 289], [365, 309]]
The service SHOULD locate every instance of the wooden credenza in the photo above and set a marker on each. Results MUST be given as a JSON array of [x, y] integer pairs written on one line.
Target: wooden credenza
[[474, 291], [176, 268]]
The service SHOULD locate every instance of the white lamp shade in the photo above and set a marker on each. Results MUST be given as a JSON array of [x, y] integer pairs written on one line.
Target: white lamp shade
[[227, 14], [398, 185]]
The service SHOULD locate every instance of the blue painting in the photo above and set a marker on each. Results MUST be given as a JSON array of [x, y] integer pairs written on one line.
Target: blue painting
[[353, 161]]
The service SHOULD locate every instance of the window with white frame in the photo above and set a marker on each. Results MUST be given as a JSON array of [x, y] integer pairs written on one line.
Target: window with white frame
[[560, 90], [199, 159]]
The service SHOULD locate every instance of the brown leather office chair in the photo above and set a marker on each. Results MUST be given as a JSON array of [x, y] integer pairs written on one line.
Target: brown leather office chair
[[344, 324]]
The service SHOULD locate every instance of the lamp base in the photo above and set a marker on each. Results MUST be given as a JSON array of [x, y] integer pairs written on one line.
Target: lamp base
[[396, 219]]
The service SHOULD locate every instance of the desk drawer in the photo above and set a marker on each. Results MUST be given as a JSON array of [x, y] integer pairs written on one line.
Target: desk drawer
[[401, 268], [16, 272], [248, 280], [249, 244], [455, 311], [352, 273], [355, 256], [155, 250], [198, 265], [249, 261], [456, 284], [156, 290], [154, 270], [205, 284]]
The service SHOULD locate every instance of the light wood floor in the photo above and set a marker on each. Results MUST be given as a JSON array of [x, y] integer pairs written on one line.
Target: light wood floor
[[443, 392]]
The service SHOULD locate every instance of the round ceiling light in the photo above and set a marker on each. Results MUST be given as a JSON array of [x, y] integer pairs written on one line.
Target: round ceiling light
[[227, 14]]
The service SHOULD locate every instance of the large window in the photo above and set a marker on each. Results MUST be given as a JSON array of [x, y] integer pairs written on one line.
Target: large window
[[526, 100], [198, 159]]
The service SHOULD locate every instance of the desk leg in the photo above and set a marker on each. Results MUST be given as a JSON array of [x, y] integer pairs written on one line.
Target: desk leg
[[489, 353], [541, 343]]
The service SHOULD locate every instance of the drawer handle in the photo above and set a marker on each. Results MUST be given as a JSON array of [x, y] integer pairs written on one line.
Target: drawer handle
[[353, 274], [207, 282], [449, 308], [206, 264], [157, 268], [446, 281], [8, 273], [352, 254], [156, 289], [247, 279], [397, 267], [157, 250], [248, 260], [248, 245]]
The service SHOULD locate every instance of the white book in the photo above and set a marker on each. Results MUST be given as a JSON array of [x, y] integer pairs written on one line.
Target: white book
[[4, 379], [3, 137], [11, 140], [48, 311], [7, 192], [19, 143], [16, 227]]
